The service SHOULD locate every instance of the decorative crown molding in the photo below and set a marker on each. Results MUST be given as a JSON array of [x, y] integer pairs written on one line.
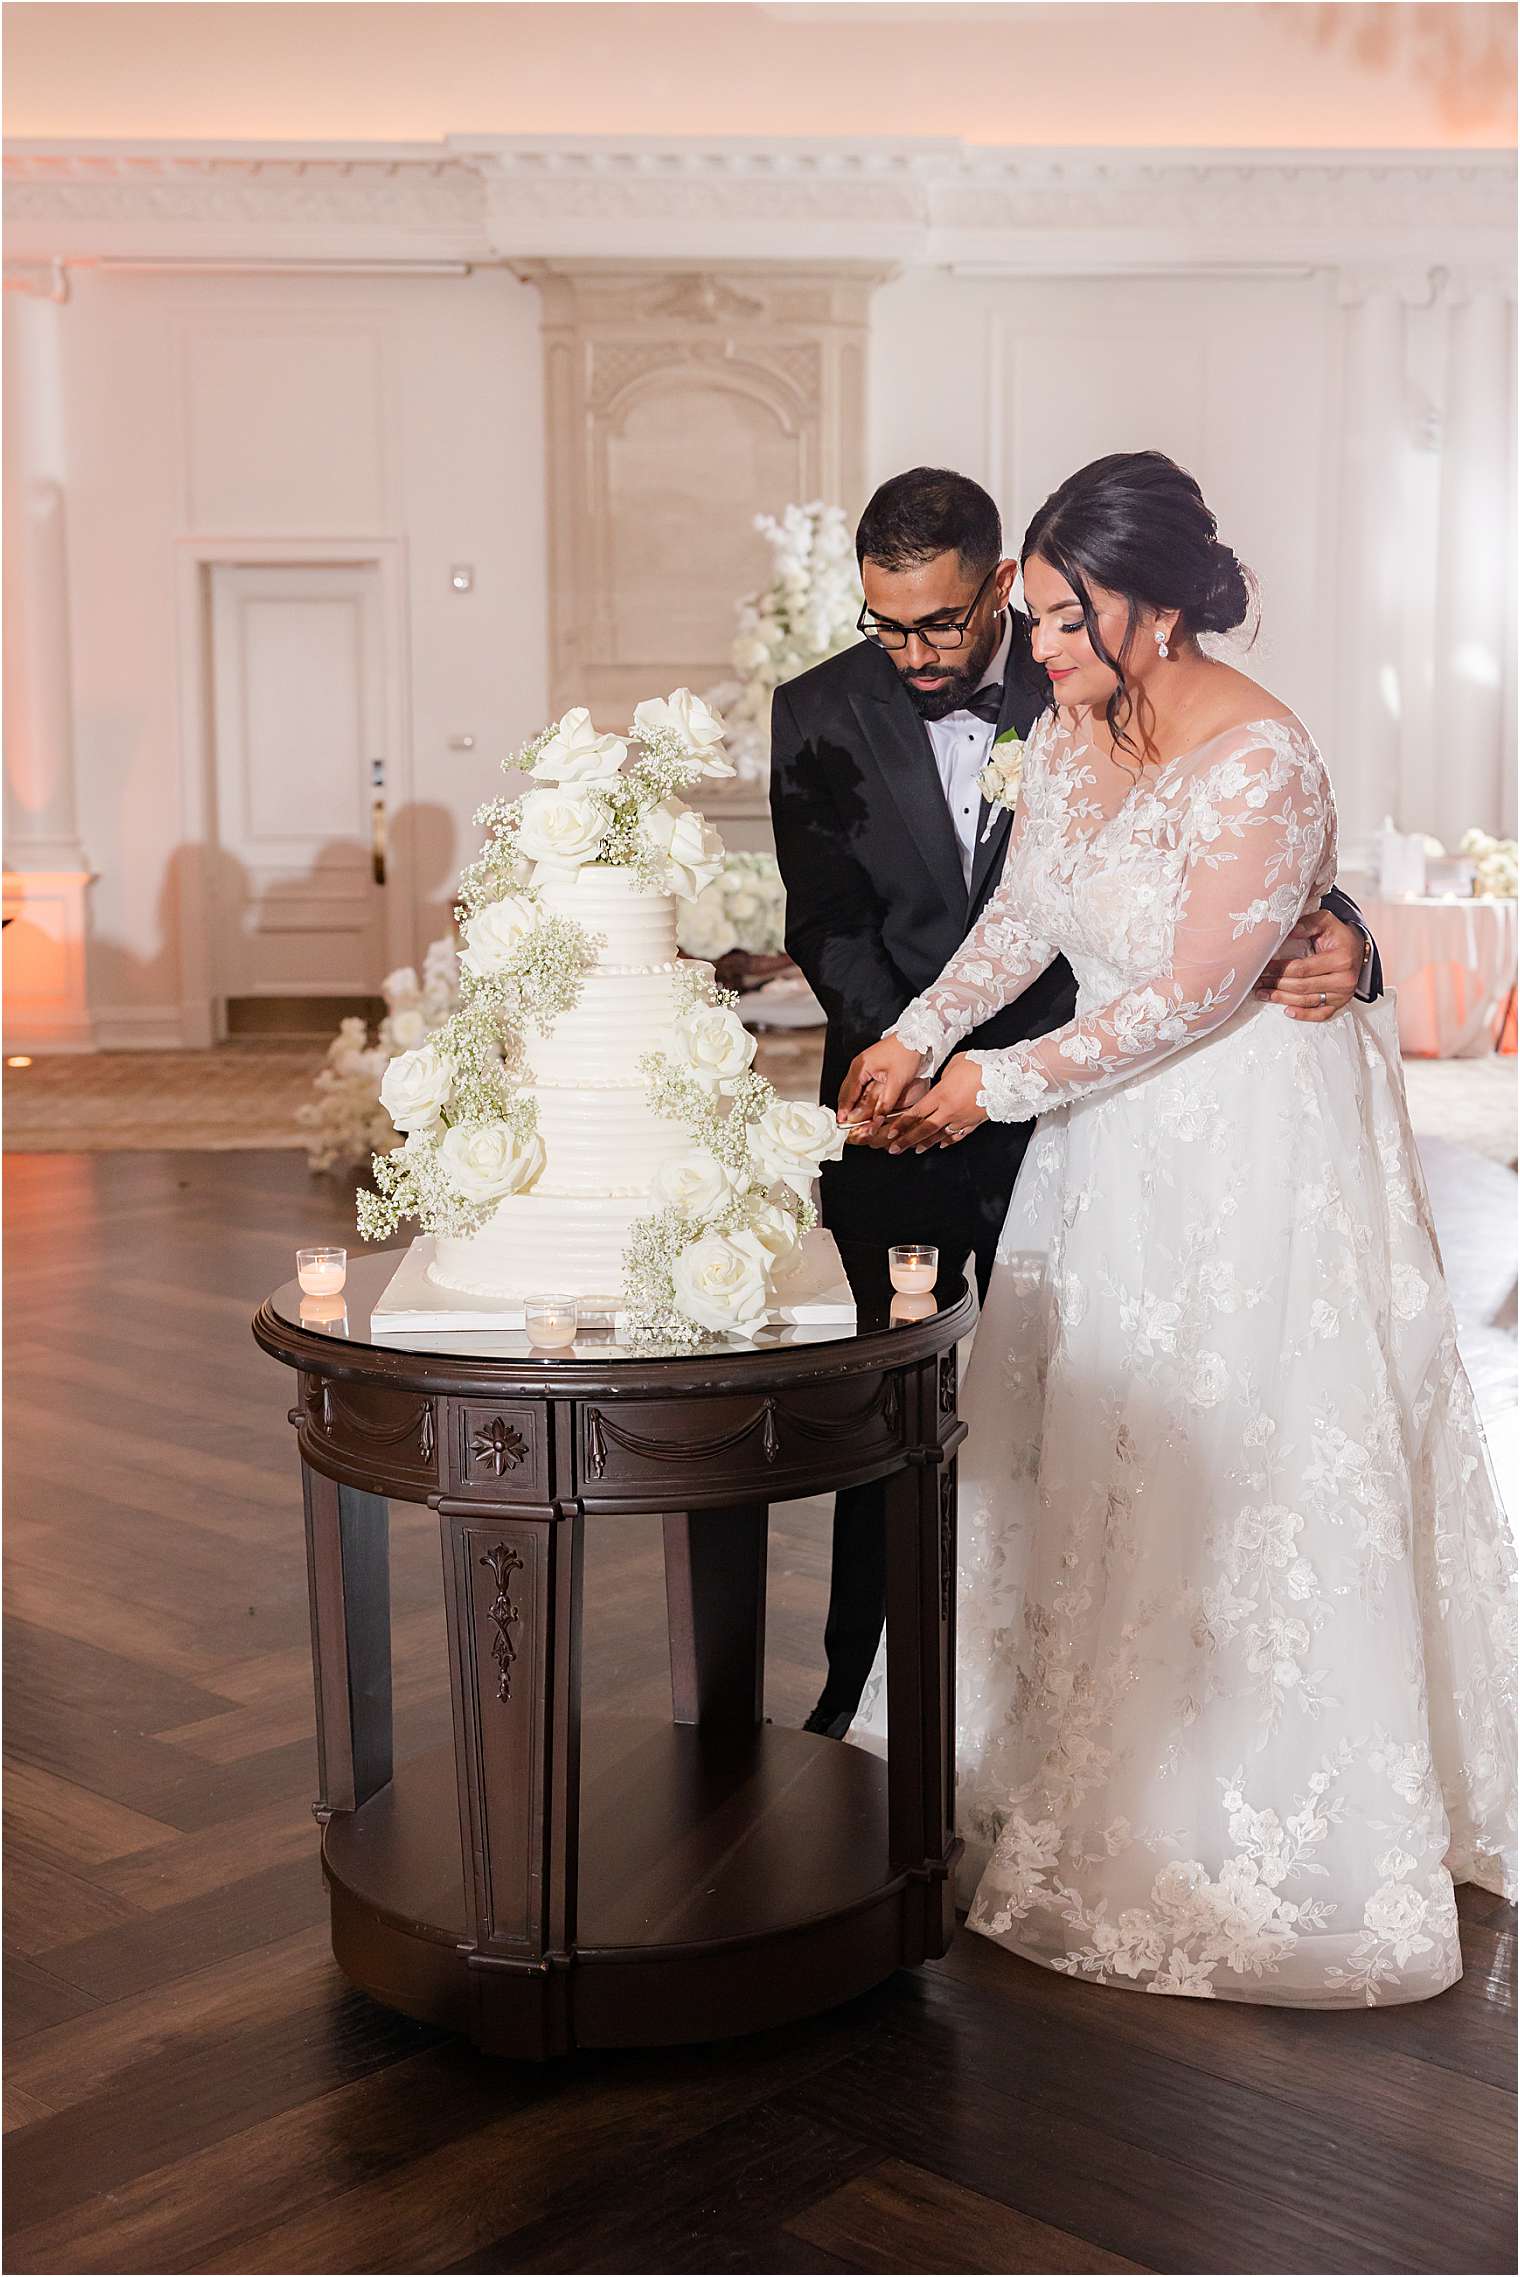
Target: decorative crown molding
[[83, 201], [513, 198]]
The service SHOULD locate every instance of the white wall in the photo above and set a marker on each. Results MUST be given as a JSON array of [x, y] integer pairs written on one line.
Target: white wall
[[1020, 381], [280, 408]]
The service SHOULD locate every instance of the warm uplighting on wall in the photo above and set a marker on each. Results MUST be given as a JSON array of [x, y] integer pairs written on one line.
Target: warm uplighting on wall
[[20, 1059]]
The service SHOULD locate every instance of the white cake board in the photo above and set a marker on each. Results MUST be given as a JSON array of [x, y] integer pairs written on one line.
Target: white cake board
[[814, 1293]]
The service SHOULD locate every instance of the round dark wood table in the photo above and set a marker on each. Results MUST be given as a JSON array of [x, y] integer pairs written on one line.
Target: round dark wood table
[[564, 1879]]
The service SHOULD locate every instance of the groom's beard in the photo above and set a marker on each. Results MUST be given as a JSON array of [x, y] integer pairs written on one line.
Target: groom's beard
[[960, 680]]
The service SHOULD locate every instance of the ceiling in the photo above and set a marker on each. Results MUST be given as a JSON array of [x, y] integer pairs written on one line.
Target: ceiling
[[1218, 73]]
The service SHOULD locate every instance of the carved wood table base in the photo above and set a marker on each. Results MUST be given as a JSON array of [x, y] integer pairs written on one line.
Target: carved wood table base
[[559, 1880]]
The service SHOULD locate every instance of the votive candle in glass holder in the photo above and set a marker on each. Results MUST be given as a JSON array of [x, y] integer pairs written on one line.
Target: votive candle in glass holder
[[905, 1309], [550, 1322], [321, 1272], [914, 1267]]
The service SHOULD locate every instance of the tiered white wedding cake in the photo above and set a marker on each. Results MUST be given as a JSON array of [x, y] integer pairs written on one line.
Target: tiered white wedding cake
[[588, 1122], [604, 1145]]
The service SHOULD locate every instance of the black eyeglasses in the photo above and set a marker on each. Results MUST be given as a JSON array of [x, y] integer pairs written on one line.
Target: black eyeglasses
[[885, 634]]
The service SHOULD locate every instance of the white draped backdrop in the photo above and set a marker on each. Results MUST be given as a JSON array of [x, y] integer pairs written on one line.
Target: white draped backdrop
[[578, 369]]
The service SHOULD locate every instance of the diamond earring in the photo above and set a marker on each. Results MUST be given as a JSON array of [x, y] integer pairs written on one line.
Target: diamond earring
[[1161, 648]]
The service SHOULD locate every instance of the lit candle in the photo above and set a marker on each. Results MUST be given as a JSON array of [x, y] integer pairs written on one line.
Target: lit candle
[[905, 1309], [550, 1322], [914, 1267], [321, 1272]]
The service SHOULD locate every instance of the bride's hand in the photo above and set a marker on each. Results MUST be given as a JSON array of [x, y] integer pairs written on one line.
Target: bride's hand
[[877, 1081], [945, 1113]]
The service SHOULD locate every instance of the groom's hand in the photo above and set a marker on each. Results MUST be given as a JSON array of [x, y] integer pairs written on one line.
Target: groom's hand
[[1317, 986], [877, 1082], [878, 1130], [945, 1113]]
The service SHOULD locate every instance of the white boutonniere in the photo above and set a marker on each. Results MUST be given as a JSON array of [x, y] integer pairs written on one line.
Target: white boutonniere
[[999, 780]]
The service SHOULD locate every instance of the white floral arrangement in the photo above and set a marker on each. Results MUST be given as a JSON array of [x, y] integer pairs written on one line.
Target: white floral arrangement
[[1495, 860], [345, 1123], [806, 613], [744, 908], [737, 1203], [735, 1206]]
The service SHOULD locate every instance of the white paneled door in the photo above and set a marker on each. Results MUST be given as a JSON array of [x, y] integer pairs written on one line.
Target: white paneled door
[[299, 693]]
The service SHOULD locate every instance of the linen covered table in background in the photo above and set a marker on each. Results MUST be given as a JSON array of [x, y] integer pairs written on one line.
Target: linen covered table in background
[[1452, 965]]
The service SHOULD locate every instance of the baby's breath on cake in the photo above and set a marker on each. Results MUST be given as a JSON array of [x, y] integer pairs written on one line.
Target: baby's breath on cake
[[485, 1054], [544, 979], [498, 868], [412, 1184], [656, 1323]]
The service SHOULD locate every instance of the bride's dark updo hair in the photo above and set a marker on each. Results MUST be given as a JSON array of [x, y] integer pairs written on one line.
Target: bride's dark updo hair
[[1136, 523]]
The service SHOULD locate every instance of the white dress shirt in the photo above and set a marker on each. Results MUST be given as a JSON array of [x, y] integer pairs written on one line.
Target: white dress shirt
[[961, 745]]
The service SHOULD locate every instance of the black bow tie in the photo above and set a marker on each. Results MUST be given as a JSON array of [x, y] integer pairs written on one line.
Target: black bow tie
[[987, 703]]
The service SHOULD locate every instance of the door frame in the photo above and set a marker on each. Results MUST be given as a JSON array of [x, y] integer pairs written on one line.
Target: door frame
[[195, 559]]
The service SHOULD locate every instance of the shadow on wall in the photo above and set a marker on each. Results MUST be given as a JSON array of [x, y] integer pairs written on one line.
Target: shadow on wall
[[152, 999], [1463, 53]]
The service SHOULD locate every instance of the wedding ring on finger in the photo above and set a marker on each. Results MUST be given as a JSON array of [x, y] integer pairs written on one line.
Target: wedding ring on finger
[[1323, 999]]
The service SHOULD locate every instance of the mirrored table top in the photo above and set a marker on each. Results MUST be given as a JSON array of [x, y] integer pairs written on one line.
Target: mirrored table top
[[346, 1318]]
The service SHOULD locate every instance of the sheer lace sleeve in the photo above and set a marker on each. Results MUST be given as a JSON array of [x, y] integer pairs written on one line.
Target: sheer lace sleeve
[[1260, 836], [1000, 957]]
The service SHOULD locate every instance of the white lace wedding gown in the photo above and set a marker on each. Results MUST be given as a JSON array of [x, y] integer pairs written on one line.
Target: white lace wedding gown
[[1236, 1642]]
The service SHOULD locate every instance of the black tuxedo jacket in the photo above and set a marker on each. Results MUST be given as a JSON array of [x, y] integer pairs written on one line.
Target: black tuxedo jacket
[[877, 905]]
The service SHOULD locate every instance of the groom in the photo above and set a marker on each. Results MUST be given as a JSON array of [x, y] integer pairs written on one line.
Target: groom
[[888, 854]]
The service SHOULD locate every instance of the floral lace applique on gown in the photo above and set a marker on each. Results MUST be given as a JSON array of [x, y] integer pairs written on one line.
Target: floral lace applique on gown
[[1236, 1648]]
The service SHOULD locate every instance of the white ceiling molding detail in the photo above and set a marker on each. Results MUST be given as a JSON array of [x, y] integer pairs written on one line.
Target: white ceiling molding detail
[[929, 203]]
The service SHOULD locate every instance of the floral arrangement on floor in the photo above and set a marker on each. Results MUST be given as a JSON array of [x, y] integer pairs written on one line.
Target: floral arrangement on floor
[[1498, 871], [744, 908], [806, 613], [734, 1207], [345, 1123]]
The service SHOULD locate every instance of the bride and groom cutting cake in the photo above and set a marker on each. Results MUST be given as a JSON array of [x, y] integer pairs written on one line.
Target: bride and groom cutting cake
[[1235, 1618]]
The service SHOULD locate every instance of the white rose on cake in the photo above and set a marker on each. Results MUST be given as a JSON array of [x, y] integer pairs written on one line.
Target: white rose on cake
[[692, 849], [494, 934], [415, 1087], [697, 1184], [575, 753], [791, 1142], [722, 1281], [694, 723], [775, 1229], [711, 1043], [484, 1162], [561, 830]]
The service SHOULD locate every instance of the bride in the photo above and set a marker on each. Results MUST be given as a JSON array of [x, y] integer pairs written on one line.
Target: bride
[[1236, 1646]]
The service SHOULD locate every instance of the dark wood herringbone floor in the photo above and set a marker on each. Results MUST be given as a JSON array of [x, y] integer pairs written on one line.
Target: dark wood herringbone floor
[[191, 2086]]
